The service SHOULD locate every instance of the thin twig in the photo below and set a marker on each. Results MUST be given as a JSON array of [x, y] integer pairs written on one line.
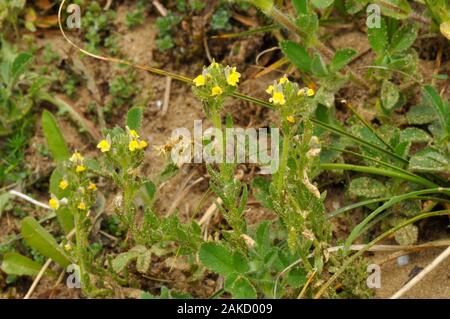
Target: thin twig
[[422, 274], [308, 282], [167, 95], [29, 199]]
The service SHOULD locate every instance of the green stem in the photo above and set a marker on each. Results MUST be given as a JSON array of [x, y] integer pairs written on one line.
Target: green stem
[[283, 163], [378, 171]]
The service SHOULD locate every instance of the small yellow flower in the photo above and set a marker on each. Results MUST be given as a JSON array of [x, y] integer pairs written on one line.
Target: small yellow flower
[[134, 134], [53, 203], [76, 157], [233, 77], [68, 247], [283, 80], [92, 186], [217, 90], [270, 89], [278, 98], [142, 145], [133, 145], [200, 80], [104, 146], [82, 206], [80, 169], [63, 184], [310, 92], [290, 119]]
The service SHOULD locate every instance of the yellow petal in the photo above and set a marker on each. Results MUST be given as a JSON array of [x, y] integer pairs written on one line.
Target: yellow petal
[[290, 119], [63, 184], [217, 90], [200, 80], [53, 203], [80, 169], [133, 145], [104, 146]]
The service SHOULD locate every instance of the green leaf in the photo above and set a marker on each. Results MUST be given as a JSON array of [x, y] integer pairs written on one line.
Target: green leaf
[[243, 289], [148, 192], [134, 118], [318, 66], [261, 191], [296, 277], [54, 137], [322, 4], [367, 187], [378, 37], [397, 9], [217, 258], [429, 161], [240, 264], [414, 135], [341, 59], [4, 201], [143, 261], [403, 38], [63, 214], [301, 6], [297, 54], [122, 260], [19, 265], [19, 65], [420, 114], [390, 95], [39, 238], [308, 23], [441, 108], [263, 237]]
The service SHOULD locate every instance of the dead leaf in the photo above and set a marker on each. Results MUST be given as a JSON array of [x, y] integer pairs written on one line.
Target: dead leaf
[[47, 22], [44, 4]]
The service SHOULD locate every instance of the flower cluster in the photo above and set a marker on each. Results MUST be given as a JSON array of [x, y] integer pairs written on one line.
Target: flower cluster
[[72, 187], [134, 142], [215, 82], [284, 90], [290, 97]]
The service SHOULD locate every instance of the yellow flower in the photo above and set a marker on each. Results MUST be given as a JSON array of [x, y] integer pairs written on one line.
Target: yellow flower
[[63, 184], [133, 145], [76, 157], [92, 186], [283, 80], [290, 119], [310, 92], [104, 146], [68, 247], [80, 169], [200, 80], [53, 203], [278, 98], [142, 145], [270, 89], [82, 206], [233, 77], [217, 90], [134, 134]]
